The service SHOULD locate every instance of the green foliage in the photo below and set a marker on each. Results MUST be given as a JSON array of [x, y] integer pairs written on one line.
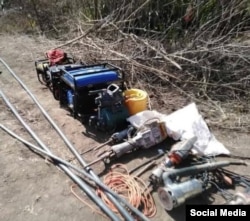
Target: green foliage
[[172, 20], [200, 34]]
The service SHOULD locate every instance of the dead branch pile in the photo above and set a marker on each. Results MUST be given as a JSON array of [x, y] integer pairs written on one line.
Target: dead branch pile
[[207, 63]]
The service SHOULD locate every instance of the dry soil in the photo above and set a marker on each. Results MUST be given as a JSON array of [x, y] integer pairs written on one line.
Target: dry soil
[[33, 189]]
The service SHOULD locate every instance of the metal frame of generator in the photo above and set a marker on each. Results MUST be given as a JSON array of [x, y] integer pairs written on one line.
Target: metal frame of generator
[[77, 84], [49, 75], [56, 71]]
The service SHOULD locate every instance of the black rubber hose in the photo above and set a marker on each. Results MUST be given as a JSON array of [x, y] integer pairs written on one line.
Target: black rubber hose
[[122, 210], [192, 170], [75, 178]]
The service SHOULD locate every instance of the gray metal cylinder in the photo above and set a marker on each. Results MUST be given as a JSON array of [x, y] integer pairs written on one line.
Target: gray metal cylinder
[[122, 148], [176, 194]]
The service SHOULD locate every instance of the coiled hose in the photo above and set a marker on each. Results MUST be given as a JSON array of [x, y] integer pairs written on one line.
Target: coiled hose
[[131, 188]]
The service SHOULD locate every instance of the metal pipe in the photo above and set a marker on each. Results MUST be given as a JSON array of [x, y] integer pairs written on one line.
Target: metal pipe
[[76, 179], [72, 149], [70, 146], [58, 159], [121, 209], [153, 159], [49, 154]]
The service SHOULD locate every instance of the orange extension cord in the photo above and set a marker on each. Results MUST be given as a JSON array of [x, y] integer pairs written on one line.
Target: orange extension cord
[[131, 188], [85, 202]]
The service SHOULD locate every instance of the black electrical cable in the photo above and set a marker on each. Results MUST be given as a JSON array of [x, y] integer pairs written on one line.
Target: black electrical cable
[[225, 194], [237, 177]]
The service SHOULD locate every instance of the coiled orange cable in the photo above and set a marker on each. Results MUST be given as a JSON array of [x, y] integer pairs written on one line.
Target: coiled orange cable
[[131, 188]]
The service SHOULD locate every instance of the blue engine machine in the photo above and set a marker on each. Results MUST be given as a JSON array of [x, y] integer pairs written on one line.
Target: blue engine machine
[[93, 93], [111, 112]]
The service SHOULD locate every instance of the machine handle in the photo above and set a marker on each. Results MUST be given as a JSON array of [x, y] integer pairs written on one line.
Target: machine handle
[[96, 91], [112, 89]]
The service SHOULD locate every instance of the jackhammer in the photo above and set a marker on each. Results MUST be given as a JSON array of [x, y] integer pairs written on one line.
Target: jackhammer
[[149, 135], [115, 138]]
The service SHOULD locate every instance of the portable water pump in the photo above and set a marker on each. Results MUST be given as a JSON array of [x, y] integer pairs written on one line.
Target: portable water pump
[[175, 193], [111, 111]]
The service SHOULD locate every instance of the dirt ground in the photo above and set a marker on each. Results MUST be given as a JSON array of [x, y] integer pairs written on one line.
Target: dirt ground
[[30, 187]]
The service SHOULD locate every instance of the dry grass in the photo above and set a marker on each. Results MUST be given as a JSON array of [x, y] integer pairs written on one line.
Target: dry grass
[[208, 64]]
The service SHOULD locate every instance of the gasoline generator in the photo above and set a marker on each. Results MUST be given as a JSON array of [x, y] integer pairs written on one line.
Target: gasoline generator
[[48, 71], [94, 93]]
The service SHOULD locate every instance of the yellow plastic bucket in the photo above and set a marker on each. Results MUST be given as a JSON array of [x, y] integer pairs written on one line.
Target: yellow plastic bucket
[[136, 100]]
